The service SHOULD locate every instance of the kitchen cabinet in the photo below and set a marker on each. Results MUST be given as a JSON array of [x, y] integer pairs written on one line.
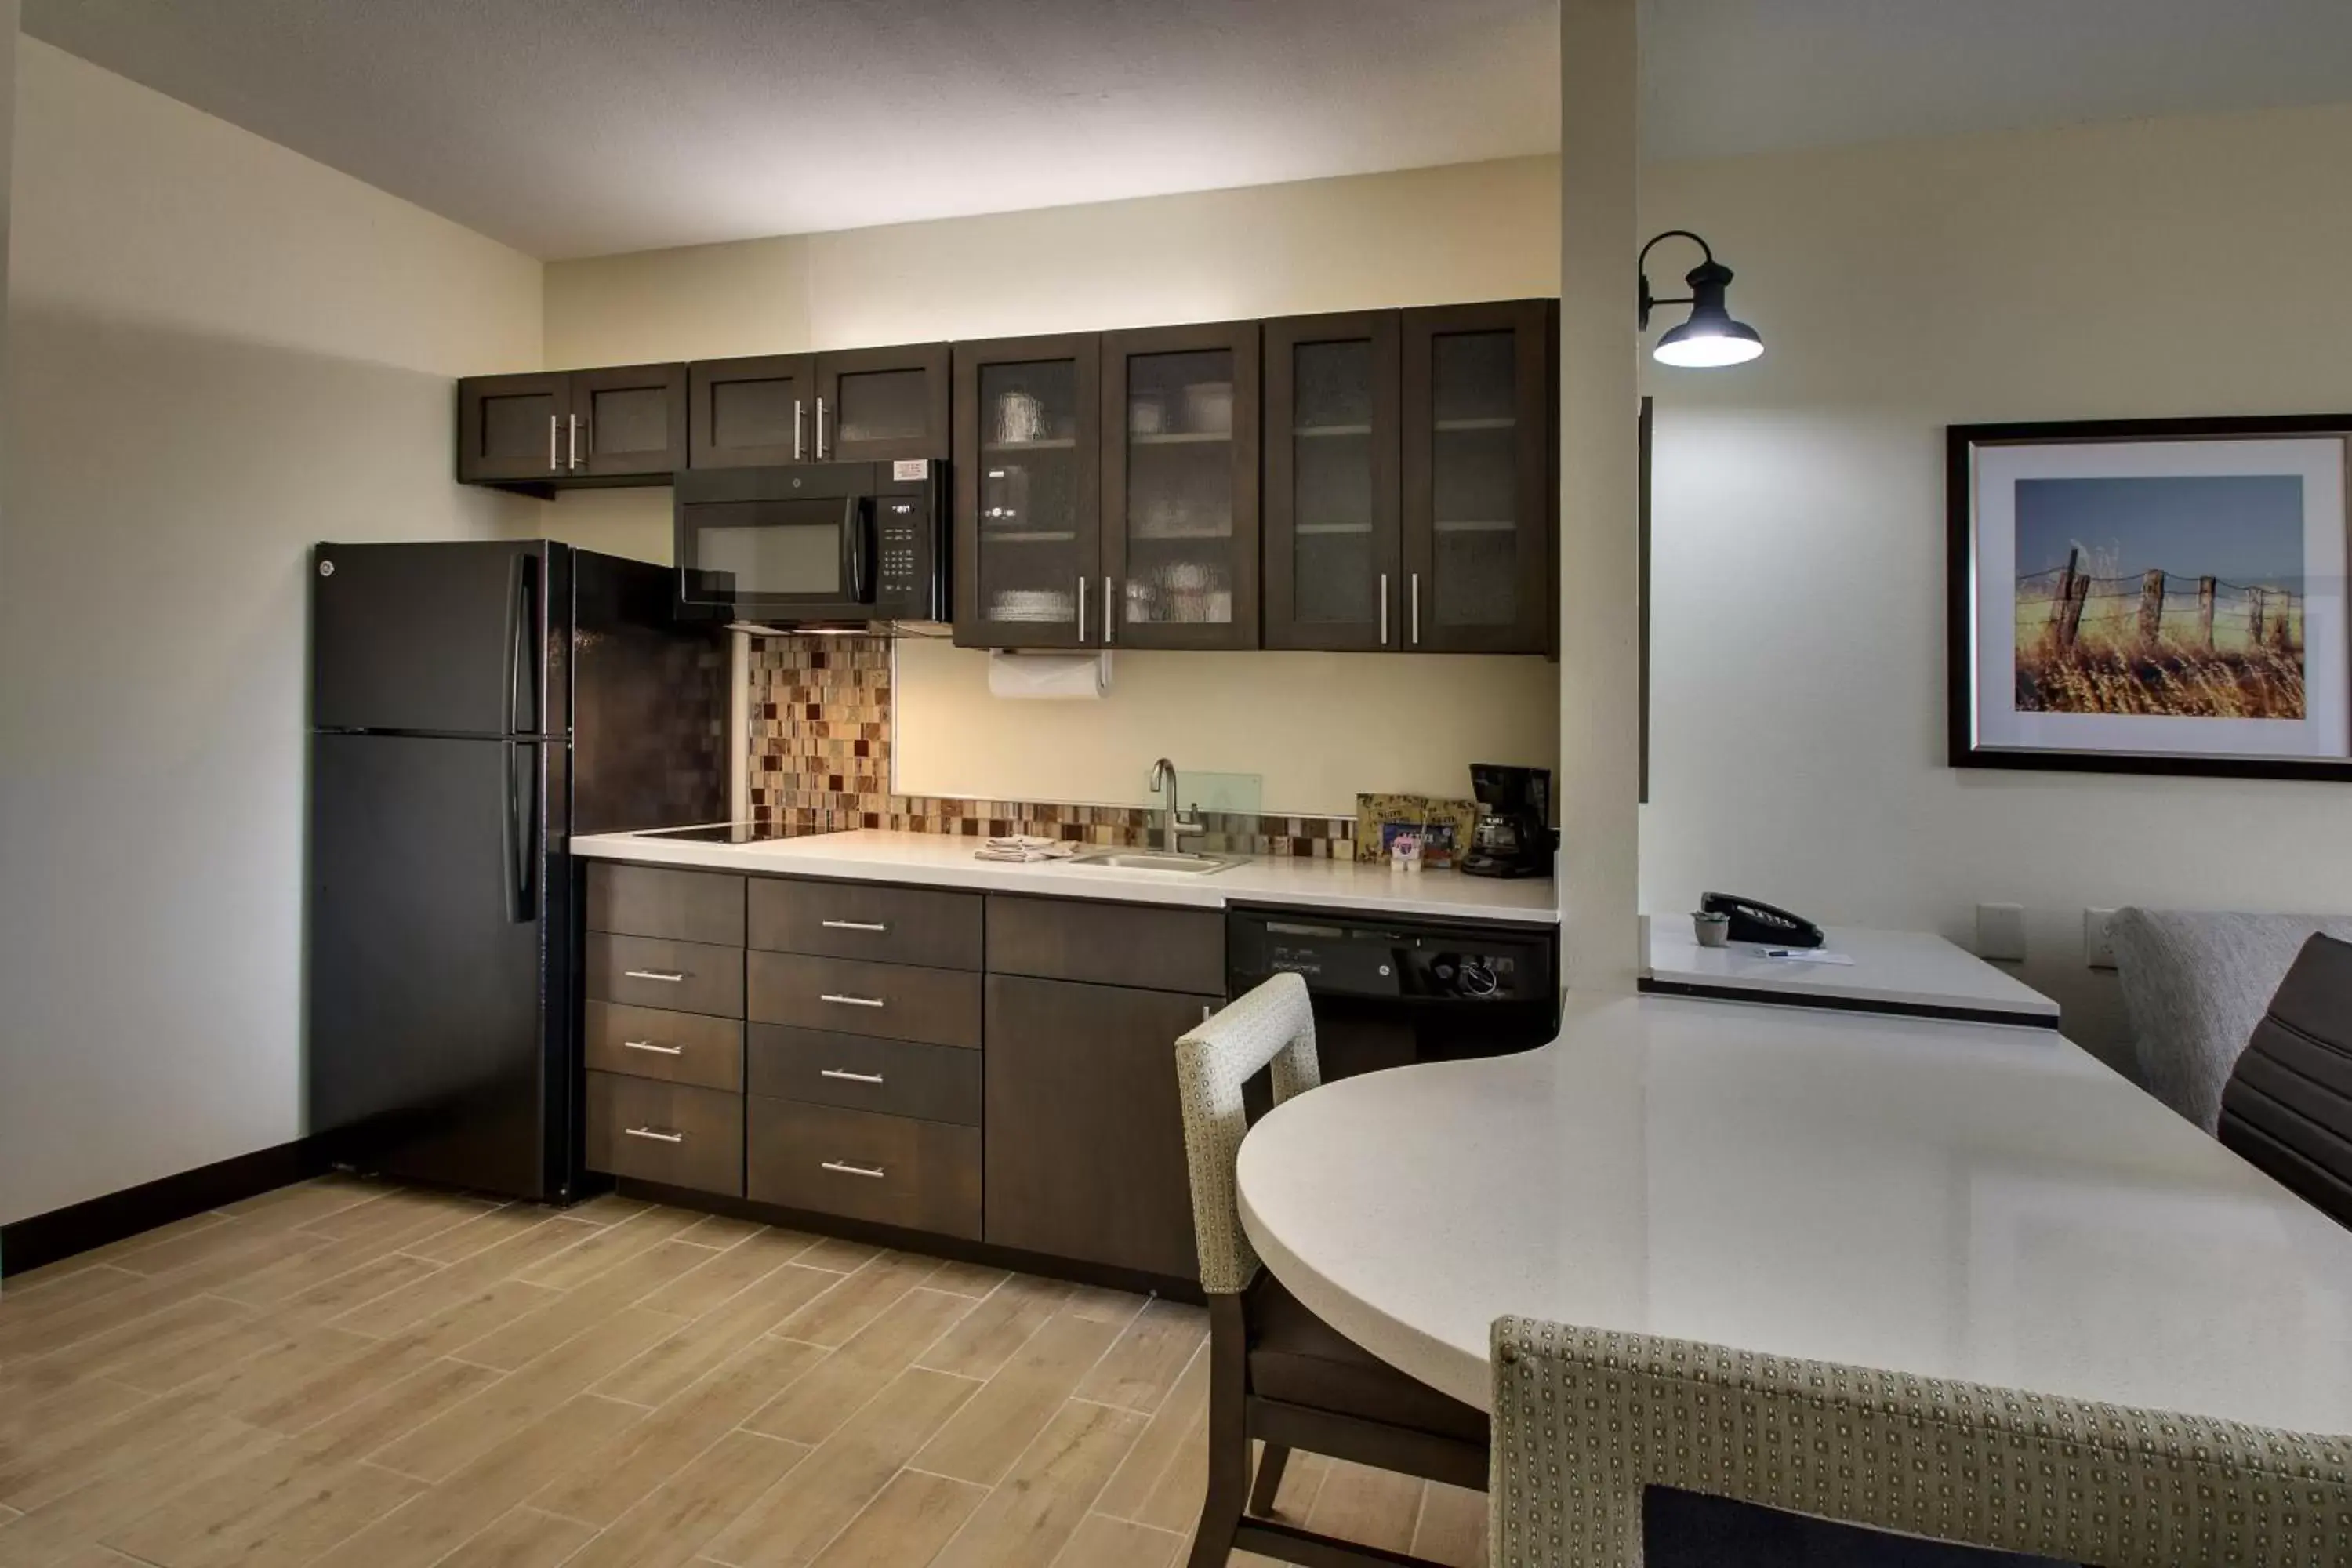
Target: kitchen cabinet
[[1480, 497], [1084, 1148], [542, 432], [1334, 539], [1028, 500], [1180, 486], [847, 406]]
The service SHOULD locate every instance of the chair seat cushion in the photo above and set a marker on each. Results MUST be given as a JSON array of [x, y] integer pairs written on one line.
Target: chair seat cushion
[[1297, 1358]]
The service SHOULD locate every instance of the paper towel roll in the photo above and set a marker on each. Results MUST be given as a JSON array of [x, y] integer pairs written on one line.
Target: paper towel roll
[[1066, 675]]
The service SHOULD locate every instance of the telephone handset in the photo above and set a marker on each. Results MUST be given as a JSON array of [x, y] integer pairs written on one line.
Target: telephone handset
[[1753, 920]]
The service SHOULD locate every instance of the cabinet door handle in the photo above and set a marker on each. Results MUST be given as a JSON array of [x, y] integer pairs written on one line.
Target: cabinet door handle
[[666, 976], [659, 1134], [1414, 582], [1082, 609], [552, 421], [820, 430], [846, 1076], [1384, 609], [850, 1001], [837, 1168], [656, 1047], [855, 925], [797, 430], [575, 441], [1109, 620]]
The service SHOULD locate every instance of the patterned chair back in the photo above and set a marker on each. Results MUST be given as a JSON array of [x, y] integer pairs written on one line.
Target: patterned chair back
[[1585, 1420], [1274, 1024]]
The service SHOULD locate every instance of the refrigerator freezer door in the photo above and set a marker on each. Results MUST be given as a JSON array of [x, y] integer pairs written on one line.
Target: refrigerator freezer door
[[446, 638], [433, 1052]]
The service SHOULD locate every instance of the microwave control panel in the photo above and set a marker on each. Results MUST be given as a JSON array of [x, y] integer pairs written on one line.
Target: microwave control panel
[[899, 530]]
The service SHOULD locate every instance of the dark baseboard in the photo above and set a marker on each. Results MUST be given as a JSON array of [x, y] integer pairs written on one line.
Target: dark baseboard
[[42, 1239]]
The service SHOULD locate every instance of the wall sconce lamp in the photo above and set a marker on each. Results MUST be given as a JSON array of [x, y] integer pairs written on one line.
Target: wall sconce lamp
[[1710, 338]]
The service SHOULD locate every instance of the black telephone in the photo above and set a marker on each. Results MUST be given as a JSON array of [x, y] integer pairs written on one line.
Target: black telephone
[[1753, 920]]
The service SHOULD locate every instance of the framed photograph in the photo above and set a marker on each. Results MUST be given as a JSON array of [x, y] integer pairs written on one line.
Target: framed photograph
[[1443, 826], [2154, 597]]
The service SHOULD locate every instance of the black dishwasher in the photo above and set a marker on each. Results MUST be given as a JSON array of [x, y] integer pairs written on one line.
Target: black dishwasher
[[1389, 992]]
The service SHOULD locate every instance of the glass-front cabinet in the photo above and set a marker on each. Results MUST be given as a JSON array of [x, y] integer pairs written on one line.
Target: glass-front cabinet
[[1028, 502], [1334, 559], [1478, 485], [1180, 486]]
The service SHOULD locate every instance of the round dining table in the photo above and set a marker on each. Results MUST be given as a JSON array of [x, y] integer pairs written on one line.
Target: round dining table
[[1953, 1200]]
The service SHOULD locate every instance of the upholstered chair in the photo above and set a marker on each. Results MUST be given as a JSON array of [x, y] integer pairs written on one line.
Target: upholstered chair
[[1277, 1373], [1585, 1421], [2288, 1105]]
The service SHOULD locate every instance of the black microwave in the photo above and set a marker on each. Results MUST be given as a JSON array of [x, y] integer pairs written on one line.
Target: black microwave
[[815, 542]]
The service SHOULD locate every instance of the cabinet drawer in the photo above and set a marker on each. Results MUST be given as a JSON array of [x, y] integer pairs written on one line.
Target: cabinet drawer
[[895, 1001], [1107, 944], [670, 1132], [859, 920], [676, 1047], [652, 900], [893, 1170], [678, 976], [895, 1078]]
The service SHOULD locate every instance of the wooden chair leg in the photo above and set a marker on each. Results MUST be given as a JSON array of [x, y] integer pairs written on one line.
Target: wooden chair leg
[[1229, 1450], [1270, 1466]]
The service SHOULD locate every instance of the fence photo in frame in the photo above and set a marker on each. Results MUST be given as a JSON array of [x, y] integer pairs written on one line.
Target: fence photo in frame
[[2151, 596]]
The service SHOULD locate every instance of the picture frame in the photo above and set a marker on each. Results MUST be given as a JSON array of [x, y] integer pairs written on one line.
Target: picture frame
[[2150, 596], [1445, 827]]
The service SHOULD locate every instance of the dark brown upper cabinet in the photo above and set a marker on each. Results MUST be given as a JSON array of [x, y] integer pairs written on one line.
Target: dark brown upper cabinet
[[1480, 509], [849, 405], [1180, 486], [623, 425], [1334, 544], [1028, 495]]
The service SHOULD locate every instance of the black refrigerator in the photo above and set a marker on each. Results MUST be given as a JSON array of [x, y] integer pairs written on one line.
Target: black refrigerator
[[473, 705]]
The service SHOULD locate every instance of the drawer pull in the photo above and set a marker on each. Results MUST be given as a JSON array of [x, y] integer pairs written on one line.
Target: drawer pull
[[654, 1046], [856, 925], [668, 976], [838, 1169], [850, 1001], [848, 1077], [659, 1134]]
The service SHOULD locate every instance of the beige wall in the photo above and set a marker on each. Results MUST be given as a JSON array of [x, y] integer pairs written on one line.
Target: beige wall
[[2182, 267], [1478, 231], [219, 352]]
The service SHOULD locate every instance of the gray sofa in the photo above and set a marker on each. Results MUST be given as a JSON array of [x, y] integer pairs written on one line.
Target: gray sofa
[[2196, 983]]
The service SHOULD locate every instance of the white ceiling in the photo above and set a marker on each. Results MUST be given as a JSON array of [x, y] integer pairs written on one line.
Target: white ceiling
[[583, 127]]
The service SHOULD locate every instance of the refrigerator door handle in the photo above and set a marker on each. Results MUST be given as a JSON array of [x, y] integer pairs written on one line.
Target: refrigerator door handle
[[518, 832], [522, 662]]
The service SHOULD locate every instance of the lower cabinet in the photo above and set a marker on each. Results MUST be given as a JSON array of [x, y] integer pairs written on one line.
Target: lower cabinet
[[1086, 1143], [675, 1133], [893, 1170]]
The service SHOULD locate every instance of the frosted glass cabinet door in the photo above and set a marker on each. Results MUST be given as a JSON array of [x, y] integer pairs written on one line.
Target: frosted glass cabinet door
[[1028, 557], [1479, 508], [1179, 493], [1334, 565]]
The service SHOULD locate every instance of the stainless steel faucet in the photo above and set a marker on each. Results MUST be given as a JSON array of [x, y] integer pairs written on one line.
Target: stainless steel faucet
[[1164, 777]]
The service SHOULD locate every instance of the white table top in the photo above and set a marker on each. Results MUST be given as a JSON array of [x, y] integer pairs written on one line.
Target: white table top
[[1906, 970], [1953, 1200], [945, 861]]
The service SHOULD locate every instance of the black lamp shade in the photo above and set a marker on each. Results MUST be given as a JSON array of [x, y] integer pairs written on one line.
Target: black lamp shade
[[1710, 338]]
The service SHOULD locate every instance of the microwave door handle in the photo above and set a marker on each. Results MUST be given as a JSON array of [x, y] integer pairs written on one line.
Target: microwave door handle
[[856, 545]]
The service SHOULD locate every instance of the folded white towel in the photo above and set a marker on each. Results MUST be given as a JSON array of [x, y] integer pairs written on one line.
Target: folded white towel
[[1022, 848]]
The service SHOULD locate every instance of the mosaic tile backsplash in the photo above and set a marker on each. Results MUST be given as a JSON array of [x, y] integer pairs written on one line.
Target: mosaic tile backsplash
[[820, 756]]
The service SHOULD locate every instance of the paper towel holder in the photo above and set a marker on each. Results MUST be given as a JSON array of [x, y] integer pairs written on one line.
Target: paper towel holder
[[1080, 676]]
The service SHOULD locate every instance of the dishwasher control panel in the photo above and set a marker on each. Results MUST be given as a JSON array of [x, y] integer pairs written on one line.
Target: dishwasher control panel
[[1366, 958]]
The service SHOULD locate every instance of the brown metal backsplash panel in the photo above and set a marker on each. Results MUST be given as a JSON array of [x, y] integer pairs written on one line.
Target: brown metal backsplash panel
[[820, 756]]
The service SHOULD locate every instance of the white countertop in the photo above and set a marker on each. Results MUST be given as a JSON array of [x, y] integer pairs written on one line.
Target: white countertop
[[1902, 969], [1954, 1200], [945, 861]]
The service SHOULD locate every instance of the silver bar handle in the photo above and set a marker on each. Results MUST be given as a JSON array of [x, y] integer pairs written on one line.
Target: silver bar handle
[[850, 1001], [820, 430], [666, 976], [552, 421], [1415, 580], [1082, 609], [575, 441], [855, 925], [1384, 609], [839, 1169], [846, 1076], [659, 1134], [1109, 620], [656, 1047], [797, 430]]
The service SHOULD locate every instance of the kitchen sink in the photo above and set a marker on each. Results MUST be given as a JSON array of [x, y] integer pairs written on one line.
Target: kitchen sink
[[1185, 861]]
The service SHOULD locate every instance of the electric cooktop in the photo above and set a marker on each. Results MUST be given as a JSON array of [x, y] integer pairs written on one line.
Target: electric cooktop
[[740, 832]]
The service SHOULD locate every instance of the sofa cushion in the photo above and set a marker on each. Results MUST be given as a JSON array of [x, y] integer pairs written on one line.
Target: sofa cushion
[[1299, 1359], [2288, 1106], [2195, 985]]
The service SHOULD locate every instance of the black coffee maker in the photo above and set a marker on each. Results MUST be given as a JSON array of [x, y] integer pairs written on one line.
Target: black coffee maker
[[1511, 838]]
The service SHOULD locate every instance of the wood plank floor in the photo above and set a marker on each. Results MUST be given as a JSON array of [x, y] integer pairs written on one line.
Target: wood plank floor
[[361, 1375]]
